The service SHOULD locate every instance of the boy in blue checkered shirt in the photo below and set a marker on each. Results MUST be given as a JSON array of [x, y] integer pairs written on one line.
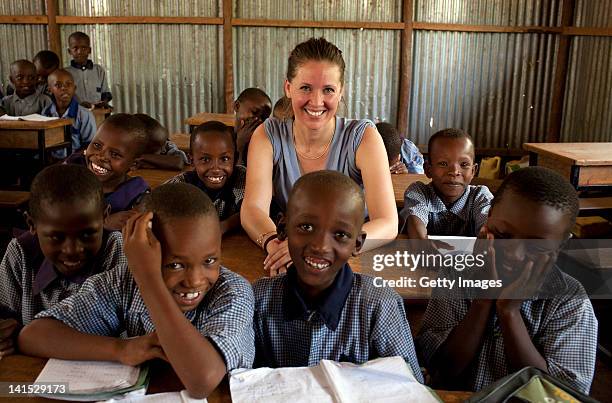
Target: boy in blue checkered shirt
[[193, 313], [470, 343], [320, 309]]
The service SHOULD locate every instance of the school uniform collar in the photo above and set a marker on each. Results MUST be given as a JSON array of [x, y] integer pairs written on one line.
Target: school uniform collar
[[71, 112], [87, 66], [47, 273], [329, 307], [457, 208]]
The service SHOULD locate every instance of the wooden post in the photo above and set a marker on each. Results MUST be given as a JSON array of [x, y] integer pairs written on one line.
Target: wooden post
[[405, 69], [228, 65], [53, 32], [560, 77]]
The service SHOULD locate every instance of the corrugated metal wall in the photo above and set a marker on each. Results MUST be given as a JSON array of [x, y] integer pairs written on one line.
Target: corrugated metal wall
[[158, 8], [593, 13]]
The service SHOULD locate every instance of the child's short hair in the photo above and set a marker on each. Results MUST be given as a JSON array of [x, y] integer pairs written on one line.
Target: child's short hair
[[212, 126], [282, 109], [391, 139], [330, 180], [543, 186], [178, 200], [133, 126], [78, 35], [157, 134], [253, 93], [48, 59], [64, 183], [22, 63], [449, 134]]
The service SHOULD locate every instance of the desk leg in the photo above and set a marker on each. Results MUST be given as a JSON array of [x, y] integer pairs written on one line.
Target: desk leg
[[41, 148], [533, 159]]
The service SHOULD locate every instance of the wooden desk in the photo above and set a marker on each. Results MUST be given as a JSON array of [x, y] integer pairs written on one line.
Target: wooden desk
[[402, 181], [21, 368], [19, 135], [196, 120], [181, 140], [585, 165], [100, 114], [13, 198], [156, 177]]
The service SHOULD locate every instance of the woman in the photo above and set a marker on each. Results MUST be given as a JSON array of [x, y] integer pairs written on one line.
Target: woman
[[281, 151]]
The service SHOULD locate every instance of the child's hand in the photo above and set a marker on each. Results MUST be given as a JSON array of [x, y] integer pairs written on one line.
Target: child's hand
[[116, 221], [278, 258], [398, 168], [142, 249], [8, 330], [136, 350]]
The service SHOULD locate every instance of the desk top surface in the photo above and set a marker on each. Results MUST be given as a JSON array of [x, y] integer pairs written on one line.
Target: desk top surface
[[21, 368], [575, 153], [202, 117], [27, 125]]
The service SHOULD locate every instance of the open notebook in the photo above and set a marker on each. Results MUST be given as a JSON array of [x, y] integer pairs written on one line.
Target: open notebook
[[34, 117], [386, 380]]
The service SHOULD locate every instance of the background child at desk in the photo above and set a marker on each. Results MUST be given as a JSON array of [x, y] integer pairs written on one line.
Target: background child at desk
[[90, 78], [46, 62], [213, 156], [252, 107], [65, 245], [65, 105], [448, 205], [26, 99], [161, 152], [470, 343], [320, 309], [174, 301], [112, 153]]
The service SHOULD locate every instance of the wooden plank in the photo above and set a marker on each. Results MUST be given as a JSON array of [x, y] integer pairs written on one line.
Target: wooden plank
[[13, 198], [28, 125], [262, 22], [196, 120], [23, 19], [53, 32], [595, 176], [228, 55], [587, 31], [581, 154], [139, 20], [560, 75], [595, 203], [155, 177], [28, 139], [429, 26], [405, 68]]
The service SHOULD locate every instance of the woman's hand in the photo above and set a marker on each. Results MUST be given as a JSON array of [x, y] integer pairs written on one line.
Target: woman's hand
[[278, 258]]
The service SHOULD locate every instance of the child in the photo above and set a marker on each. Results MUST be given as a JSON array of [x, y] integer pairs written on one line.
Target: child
[[213, 156], [65, 105], [26, 100], [252, 107], [46, 62], [160, 152], [449, 205], [65, 245], [91, 81], [320, 309], [476, 342], [174, 302], [404, 156], [112, 153], [282, 109]]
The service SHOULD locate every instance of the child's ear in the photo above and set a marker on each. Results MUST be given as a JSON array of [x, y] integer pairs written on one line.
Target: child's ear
[[190, 158], [30, 222], [474, 169], [281, 227], [359, 242], [427, 168], [236, 106]]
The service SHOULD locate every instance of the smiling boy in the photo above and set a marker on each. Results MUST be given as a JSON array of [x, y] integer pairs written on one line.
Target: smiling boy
[[320, 309], [449, 205], [26, 100], [174, 302]]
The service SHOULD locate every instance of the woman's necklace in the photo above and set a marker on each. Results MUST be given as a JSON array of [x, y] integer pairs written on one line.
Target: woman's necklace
[[306, 157]]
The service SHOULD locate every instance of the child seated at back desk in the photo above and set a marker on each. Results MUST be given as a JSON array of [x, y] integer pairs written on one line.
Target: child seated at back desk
[[90, 78], [174, 302], [213, 156], [112, 153], [449, 205], [161, 152], [404, 156], [320, 309], [65, 105], [46, 62], [65, 245], [26, 99], [470, 343], [252, 107]]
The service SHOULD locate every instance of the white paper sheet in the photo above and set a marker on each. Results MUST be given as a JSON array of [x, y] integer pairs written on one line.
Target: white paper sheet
[[34, 117]]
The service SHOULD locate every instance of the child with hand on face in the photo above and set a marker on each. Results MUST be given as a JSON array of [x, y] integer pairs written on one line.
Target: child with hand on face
[[112, 153], [213, 156], [66, 244], [252, 107], [26, 100], [320, 309], [174, 302], [470, 343], [65, 105], [404, 156], [161, 152]]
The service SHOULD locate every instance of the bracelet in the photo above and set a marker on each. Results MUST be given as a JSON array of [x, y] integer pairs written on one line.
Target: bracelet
[[270, 238], [261, 238]]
